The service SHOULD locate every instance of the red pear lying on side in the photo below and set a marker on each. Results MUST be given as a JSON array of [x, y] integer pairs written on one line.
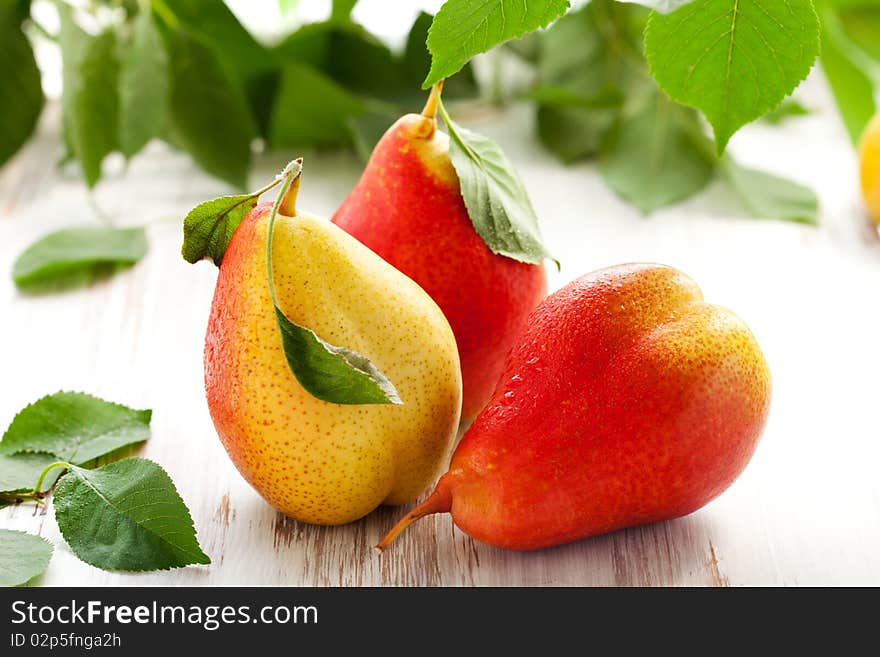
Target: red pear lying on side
[[627, 400]]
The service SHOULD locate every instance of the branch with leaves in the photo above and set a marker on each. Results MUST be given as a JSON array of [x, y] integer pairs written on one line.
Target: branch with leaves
[[124, 515]]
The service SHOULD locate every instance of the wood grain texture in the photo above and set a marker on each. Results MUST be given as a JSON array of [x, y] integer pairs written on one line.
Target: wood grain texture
[[806, 511]]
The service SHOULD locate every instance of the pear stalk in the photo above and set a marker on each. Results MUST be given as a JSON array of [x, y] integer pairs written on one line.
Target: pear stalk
[[430, 110], [440, 501], [285, 203]]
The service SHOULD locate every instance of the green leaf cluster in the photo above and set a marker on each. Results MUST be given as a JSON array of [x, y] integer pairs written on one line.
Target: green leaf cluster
[[598, 97], [188, 72], [125, 515]]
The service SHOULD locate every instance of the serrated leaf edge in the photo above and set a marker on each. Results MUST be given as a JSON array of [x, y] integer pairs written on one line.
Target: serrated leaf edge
[[722, 145], [60, 486], [223, 217], [37, 536], [146, 412]]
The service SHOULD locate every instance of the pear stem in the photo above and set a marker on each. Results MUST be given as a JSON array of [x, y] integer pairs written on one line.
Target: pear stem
[[288, 199], [285, 200], [440, 501], [430, 110]]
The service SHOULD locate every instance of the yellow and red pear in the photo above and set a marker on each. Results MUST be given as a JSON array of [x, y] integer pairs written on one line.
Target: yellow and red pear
[[317, 461]]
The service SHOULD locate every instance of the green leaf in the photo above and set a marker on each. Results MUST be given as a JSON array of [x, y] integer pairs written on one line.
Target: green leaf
[[496, 200], [588, 62], [76, 427], [788, 109], [126, 516], [862, 25], [660, 6], [342, 9], [209, 116], [16, 11], [21, 94], [574, 133], [349, 55], [846, 66], [416, 60], [767, 196], [242, 56], [595, 51], [209, 226], [90, 99], [332, 374], [657, 156], [311, 110], [245, 62], [464, 28], [76, 255], [19, 472], [734, 60], [143, 86], [22, 557]]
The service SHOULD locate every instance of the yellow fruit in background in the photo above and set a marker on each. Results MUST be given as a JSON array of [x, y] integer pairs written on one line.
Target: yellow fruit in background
[[869, 152]]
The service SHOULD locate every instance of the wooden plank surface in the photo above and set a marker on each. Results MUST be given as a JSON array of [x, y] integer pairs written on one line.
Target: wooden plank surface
[[807, 510]]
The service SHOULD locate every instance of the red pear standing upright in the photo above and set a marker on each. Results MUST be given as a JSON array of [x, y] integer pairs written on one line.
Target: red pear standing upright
[[408, 208]]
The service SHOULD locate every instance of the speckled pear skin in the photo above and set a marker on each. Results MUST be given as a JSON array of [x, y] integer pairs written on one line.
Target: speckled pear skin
[[628, 400], [319, 462], [407, 207]]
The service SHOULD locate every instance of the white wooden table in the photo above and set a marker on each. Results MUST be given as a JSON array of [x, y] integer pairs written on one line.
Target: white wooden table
[[806, 511]]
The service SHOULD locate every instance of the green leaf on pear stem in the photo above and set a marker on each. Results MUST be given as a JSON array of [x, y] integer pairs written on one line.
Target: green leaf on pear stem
[[75, 427], [734, 60], [208, 227], [126, 515], [75, 256], [496, 200], [22, 557], [327, 372], [332, 374], [464, 28]]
